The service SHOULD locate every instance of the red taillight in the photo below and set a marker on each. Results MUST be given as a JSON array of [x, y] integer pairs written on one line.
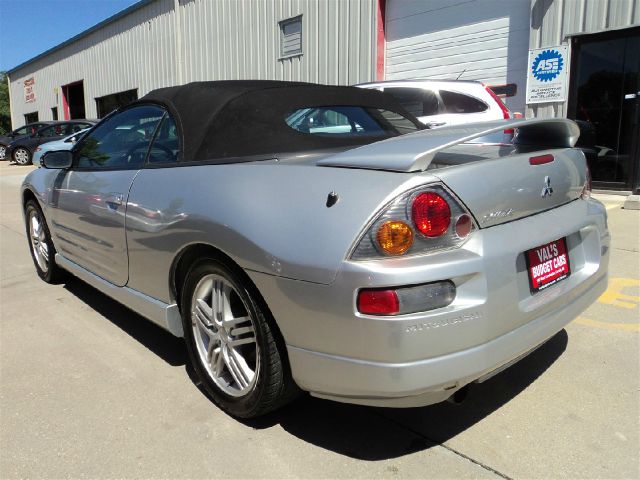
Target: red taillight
[[505, 111], [431, 214], [378, 302], [541, 159]]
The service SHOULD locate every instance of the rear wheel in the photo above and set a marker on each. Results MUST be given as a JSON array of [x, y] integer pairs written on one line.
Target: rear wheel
[[40, 244], [22, 156], [231, 341], [3, 151]]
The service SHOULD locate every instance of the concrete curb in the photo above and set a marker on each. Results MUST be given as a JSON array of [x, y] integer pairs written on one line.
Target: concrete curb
[[632, 202]]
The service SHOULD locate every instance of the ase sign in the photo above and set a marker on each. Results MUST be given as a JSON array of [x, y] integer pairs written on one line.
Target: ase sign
[[547, 74]]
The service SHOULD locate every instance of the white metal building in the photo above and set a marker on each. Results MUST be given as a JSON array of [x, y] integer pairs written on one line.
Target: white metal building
[[157, 43]]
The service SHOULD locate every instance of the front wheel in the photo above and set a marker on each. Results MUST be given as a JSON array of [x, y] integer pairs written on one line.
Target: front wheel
[[232, 343], [22, 156], [3, 152], [40, 244]]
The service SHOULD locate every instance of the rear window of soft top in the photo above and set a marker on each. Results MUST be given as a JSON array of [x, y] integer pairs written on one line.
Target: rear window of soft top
[[349, 121]]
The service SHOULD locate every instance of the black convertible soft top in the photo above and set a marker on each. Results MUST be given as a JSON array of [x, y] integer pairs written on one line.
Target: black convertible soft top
[[222, 120]]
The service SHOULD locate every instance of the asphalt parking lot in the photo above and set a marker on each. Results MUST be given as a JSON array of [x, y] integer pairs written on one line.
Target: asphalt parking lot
[[90, 389]]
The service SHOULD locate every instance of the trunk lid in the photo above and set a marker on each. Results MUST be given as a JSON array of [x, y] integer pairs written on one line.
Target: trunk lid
[[497, 183], [504, 189]]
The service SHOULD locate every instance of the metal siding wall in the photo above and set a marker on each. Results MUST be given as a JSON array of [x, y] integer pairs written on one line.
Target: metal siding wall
[[221, 39], [240, 39], [484, 40], [553, 20], [133, 52]]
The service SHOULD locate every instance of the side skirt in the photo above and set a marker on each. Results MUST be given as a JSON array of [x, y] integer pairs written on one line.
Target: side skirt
[[165, 315]]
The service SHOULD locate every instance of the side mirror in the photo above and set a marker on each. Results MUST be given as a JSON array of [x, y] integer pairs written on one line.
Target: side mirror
[[60, 159], [73, 139]]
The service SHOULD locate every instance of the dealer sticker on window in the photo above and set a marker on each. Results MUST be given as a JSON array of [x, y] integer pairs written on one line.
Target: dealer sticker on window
[[547, 264]]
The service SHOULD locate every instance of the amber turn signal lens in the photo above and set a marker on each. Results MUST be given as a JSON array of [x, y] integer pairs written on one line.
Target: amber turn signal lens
[[395, 237]]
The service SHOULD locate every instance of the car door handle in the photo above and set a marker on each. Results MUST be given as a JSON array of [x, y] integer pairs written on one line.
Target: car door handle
[[114, 200], [435, 124]]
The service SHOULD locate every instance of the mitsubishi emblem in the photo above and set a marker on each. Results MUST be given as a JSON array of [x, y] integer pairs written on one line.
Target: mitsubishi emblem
[[547, 191]]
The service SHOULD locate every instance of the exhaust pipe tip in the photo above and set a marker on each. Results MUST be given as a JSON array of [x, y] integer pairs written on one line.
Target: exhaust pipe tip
[[459, 396]]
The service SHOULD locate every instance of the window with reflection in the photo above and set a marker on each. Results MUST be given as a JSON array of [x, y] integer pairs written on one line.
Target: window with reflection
[[166, 144], [417, 101], [122, 141], [348, 121]]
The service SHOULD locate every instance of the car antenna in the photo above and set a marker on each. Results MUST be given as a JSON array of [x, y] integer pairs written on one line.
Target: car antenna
[[461, 73]]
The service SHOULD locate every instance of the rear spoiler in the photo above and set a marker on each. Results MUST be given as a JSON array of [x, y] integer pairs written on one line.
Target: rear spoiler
[[415, 151]]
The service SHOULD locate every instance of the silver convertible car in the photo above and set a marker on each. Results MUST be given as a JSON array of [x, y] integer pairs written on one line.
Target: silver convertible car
[[313, 238]]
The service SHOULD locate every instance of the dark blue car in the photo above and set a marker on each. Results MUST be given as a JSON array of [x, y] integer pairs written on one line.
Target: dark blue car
[[27, 130]]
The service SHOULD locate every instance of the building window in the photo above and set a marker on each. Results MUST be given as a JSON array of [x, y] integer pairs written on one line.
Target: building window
[[291, 37], [54, 113], [107, 104], [30, 117]]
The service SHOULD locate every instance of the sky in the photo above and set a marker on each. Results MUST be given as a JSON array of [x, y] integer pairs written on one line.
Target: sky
[[30, 27]]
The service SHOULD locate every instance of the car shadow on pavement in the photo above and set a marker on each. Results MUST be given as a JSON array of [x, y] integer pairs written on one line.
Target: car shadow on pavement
[[365, 433], [165, 345], [369, 433]]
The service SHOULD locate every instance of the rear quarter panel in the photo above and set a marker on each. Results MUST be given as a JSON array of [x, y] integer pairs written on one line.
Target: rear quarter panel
[[268, 217]]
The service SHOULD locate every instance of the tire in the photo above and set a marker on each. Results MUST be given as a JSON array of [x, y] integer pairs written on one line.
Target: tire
[[22, 156], [3, 151], [40, 244], [232, 343]]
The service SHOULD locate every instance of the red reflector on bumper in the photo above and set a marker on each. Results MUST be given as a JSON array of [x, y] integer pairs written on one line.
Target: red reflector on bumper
[[378, 302], [542, 159]]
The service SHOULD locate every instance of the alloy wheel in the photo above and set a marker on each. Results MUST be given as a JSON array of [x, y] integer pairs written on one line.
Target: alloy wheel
[[3, 152], [38, 238], [224, 333]]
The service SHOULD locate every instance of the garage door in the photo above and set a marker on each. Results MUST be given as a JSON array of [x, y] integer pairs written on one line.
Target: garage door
[[484, 40]]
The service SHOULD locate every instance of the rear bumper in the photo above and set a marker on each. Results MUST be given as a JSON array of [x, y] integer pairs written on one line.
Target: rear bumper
[[432, 380], [422, 358]]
